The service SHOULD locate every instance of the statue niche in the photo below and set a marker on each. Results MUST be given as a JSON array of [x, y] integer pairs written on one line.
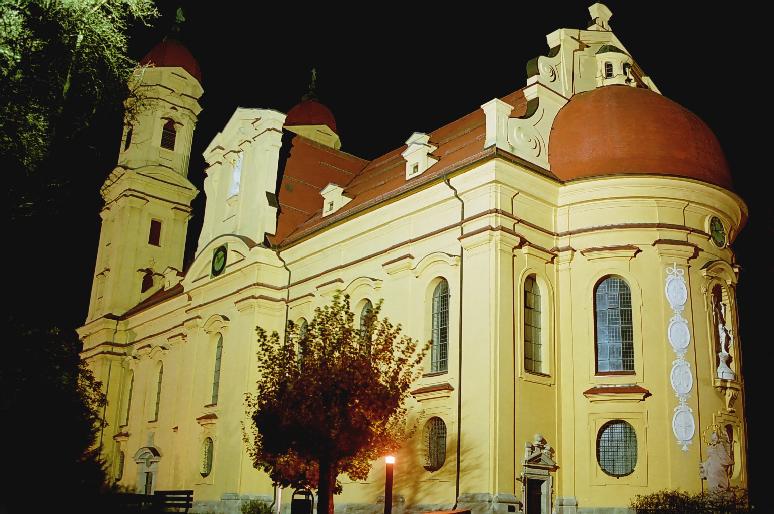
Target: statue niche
[[724, 338]]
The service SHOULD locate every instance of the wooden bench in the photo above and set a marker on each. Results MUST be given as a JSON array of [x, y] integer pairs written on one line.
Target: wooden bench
[[157, 503], [172, 501]]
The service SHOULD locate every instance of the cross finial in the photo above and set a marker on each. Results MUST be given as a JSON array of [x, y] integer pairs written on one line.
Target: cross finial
[[179, 20], [312, 92]]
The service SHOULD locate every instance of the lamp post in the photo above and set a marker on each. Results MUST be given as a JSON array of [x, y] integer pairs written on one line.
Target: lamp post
[[389, 462]]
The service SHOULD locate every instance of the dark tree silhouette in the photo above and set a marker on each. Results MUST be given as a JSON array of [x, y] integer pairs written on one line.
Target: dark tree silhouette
[[330, 399], [51, 409], [64, 71]]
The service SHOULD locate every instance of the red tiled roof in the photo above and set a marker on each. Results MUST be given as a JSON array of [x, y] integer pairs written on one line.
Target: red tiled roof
[[171, 53], [310, 112], [310, 167], [308, 170], [617, 129], [157, 297]]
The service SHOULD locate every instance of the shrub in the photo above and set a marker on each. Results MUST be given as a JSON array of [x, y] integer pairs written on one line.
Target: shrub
[[731, 501], [256, 507]]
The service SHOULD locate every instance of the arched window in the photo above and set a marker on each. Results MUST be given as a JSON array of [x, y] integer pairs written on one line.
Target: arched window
[[303, 327], [614, 332], [128, 139], [236, 175], [216, 373], [158, 393], [207, 451], [168, 134], [434, 443], [364, 313], [533, 346], [120, 466], [440, 346], [617, 448], [128, 399]]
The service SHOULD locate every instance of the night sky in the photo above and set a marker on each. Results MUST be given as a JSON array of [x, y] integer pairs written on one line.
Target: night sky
[[387, 71]]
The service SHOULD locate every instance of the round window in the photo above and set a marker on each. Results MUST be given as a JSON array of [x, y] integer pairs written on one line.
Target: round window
[[617, 448], [717, 232], [435, 443]]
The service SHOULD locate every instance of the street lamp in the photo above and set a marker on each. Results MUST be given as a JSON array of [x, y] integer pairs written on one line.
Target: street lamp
[[389, 462]]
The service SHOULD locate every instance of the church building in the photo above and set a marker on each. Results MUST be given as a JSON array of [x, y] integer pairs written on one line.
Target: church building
[[566, 249]]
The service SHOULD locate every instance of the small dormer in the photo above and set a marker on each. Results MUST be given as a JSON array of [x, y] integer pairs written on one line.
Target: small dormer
[[614, 66], [333, 199], [418, 155]]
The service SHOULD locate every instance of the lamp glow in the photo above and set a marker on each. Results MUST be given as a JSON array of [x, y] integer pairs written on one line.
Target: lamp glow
[[389, 460]]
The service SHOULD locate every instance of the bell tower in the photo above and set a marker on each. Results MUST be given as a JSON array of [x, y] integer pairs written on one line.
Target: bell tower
[[148, 196]]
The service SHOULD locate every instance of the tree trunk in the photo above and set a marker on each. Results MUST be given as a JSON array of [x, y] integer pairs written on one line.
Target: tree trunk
[[325, 487]]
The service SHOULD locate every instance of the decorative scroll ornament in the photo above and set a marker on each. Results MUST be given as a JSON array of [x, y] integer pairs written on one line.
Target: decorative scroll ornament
[[527, 139], [547, 70], [679, 337]]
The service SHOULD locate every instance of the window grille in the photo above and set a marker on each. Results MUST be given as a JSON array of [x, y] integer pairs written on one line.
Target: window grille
[[608, 70], [435, 444], [120, 466], [128, 404], [440, 345], [617, 448], [303, 327], [216, 374], [364, 313], [168, 134], [533, 348], [158, 393], [207, 451], [614, 332]]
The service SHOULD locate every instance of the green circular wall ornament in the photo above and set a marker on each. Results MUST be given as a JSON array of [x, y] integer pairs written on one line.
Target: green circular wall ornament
[[717, 232], [219, 260]]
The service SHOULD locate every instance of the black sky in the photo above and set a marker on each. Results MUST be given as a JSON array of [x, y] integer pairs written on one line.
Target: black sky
[[387, 70]]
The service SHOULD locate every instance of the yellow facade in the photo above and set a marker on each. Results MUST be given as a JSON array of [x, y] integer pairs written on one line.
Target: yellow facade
[[485, 226]]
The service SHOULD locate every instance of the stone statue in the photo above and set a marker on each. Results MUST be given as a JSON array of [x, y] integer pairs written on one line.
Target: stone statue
[[716, 470], [724, 338]]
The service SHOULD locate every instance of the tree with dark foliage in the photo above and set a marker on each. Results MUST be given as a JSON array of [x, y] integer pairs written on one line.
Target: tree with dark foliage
[[330, 398], [51, 410], [63, 70]]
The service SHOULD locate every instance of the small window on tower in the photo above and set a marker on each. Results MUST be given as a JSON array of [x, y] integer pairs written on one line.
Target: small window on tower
[[128, 140], [154, 235], [608, 70], [330, 206], [168, 134], [415, 168]]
